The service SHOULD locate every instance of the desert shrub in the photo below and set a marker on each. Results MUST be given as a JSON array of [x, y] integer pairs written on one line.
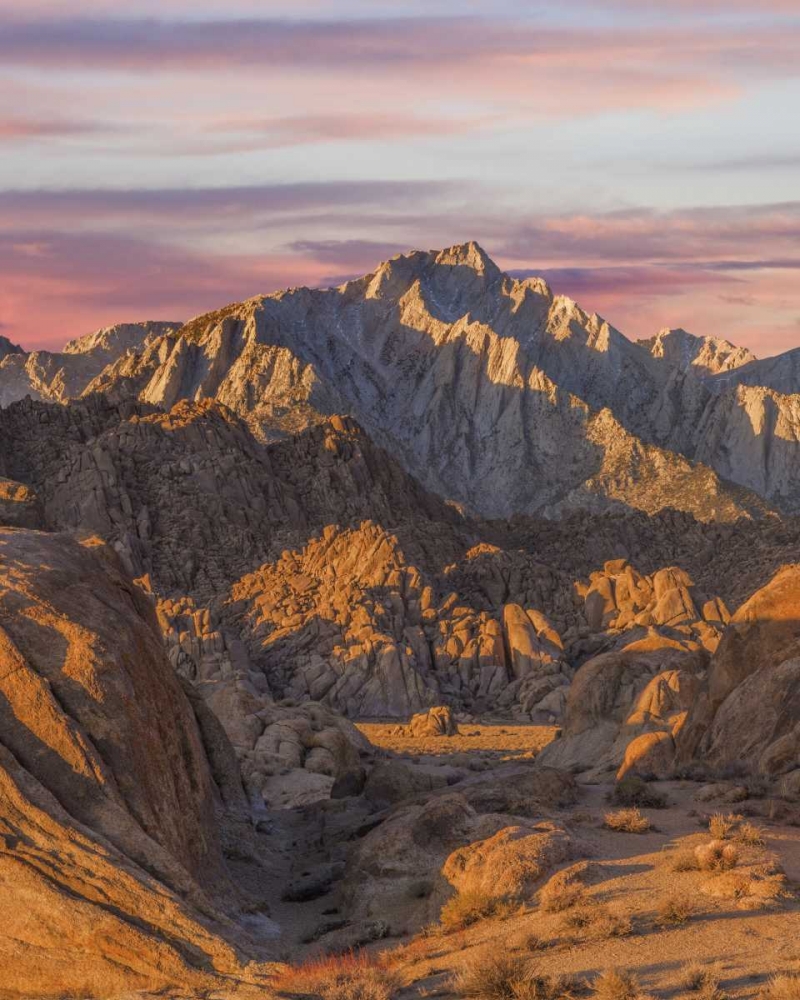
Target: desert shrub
[[717, 856], [634, 791], [597, 922], [721, 827], [627, 821], [760, 887], [750, 834], [492, 975], [563, 890], [784, 986], [617, 984], [467, 908], [685, 861], [703, 980], [352, 976], [674, 911]]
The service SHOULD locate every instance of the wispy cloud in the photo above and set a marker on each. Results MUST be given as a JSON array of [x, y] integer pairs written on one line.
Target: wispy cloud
[[392, 47], [235, 205], [15, 128]]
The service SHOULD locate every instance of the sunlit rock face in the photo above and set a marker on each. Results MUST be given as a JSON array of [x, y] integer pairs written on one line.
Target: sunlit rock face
[[60, 376], [702, 355], [107, 803], [493, 392]]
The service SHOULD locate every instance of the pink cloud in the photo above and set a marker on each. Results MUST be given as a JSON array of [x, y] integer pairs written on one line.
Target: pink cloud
[[537, 68], [56, 286], [13, 129]]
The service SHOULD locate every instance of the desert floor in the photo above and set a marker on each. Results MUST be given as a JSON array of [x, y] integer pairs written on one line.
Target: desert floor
[[743, 923]]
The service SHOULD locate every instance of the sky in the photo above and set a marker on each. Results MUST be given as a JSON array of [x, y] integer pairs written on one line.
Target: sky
[[161, 158]]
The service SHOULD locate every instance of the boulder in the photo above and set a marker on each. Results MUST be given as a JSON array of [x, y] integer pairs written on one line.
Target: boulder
[[747, 714], [651, 755], [437, 721], [645, 687]]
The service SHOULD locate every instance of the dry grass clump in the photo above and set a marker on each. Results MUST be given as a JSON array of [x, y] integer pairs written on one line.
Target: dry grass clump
[[784, 986], [634, 791], [721, 827], [597, 922], [467, 908], [490, 975], [617, 984], [675, 911], [562, 891], [703, 980], [627, 821], [750, 835], [685, 861], [755, 888], [352, 976], [716, 856]]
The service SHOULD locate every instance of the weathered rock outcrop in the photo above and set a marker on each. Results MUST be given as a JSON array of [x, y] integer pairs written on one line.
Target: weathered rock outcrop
[[646, 687], [66, 375], [749, 715], [315, 568], [702, 355], [406, 869], [111, 862]]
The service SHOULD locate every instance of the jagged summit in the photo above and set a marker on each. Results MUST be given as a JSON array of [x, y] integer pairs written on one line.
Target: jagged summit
[[120, 337], [470, 255], [706, 355], [7, 347]]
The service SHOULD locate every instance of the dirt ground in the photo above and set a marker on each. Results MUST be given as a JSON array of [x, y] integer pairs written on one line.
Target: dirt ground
[[743, 938], [632, 875], [497, 741]]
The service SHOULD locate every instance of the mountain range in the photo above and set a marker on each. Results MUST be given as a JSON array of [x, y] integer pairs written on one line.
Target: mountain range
[[495, 393]]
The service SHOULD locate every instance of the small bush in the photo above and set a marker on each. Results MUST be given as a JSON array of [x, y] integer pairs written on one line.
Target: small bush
[[627, 821], [784, 986], [634, 791], [716, 856], [703, 980], [490, 975], [685, 861], [675, 911], [467, 908], [750, 835], [597, 922], [563, 890], [352, 976], [616, 984], [721, 827]]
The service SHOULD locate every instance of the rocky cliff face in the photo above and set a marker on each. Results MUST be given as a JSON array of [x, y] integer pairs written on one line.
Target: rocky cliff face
[[63, 376], [107, 802], [702, 355], [7, 348]]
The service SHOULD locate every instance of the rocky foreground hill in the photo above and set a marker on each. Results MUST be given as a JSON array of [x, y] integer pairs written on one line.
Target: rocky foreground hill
[[224, 541]]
